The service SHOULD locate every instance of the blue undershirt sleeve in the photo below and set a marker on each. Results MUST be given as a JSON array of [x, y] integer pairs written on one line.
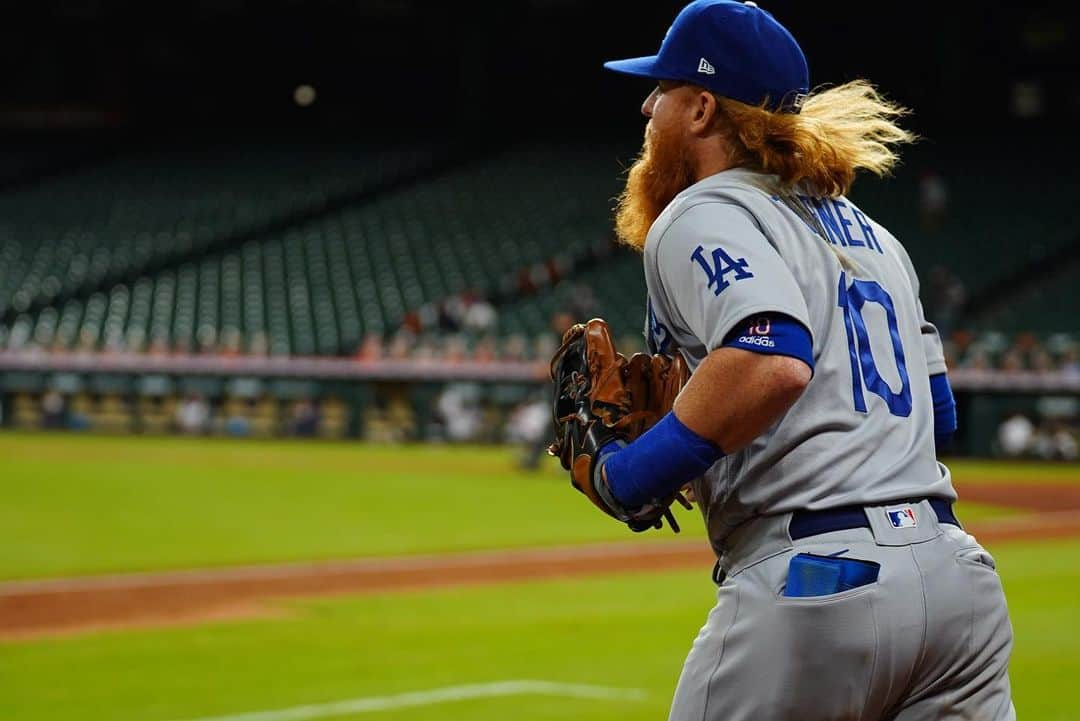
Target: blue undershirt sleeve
[[944, 410], [659, 462]]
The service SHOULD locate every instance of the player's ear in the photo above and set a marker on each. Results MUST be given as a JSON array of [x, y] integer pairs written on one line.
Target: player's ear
[[703, 112]]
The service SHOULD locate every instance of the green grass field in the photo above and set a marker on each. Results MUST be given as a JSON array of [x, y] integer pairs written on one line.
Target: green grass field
[[114, 504], [78, 505], [90, 504]]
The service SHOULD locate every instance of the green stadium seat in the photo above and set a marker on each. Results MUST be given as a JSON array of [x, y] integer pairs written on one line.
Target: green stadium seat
[[148, 207]]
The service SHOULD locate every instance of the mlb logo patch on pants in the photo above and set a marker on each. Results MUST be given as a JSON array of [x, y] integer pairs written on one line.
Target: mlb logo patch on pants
[[903, 517]]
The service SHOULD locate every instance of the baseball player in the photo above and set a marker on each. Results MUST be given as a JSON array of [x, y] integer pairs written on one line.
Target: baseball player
[[847, 587]]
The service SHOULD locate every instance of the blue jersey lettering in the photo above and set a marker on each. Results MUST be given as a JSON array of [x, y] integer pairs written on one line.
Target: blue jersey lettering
[[659, 336], [846, 224], [867, 229]]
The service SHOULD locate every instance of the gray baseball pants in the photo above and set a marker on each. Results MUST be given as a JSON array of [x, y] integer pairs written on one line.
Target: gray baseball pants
[[930, 640]]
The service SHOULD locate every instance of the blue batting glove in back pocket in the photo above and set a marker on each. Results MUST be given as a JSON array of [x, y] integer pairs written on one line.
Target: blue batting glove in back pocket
[[812, 575]]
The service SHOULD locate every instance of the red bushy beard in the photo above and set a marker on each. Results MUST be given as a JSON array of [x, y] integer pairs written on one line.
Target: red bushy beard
[[661, 171]]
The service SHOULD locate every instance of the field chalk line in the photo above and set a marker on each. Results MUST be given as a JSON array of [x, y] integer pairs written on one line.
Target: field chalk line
[[433, 696]]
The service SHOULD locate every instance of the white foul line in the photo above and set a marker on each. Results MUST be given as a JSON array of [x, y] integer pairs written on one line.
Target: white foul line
[[434, 696]]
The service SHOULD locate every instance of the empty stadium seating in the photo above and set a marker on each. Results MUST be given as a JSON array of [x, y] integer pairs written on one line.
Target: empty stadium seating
[[149, 207], [529, 227], [319, 287]]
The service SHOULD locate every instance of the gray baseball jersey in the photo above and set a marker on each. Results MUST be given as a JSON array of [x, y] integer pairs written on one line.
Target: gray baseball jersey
[[930, 639], [731, 247]]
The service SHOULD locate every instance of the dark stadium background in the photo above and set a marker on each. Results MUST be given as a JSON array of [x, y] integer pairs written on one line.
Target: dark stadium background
[[509, 99], [504, 68]]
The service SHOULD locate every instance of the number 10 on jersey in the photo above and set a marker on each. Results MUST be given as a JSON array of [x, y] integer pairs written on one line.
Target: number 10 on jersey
[[864, 371]]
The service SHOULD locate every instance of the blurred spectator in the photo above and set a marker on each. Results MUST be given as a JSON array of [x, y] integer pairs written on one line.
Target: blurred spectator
[[1012, 360], [1040, 360], [426, 348], [454, 349], [159, 346], [1019, 437], [1015, 435], [484, 351], [193, 415], [1053, 442], [1069, 364], [53, 407], [545, 346], [1025, 342], [231, 343], [426, 316], [529, 425], [515, 348], [304, 418], [371, 348], [459, 411], [977, 358], [956, 346], [1029, 352], [237, 423], [401, 345], [450, 314], [480, 316], [933, 200], [1066, 445], [415, 321]]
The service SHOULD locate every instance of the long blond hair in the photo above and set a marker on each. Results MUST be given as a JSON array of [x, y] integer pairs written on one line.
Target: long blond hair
[[840, 130]]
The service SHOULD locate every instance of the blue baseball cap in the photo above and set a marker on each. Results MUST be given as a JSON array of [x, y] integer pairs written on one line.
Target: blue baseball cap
[[734, 49]]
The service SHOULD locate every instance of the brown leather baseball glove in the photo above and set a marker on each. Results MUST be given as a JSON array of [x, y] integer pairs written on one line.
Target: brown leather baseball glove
[[601, 396]]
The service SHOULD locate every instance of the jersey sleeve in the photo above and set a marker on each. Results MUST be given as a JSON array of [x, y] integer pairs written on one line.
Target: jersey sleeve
[[932, 347], [717, 268], [931, 340]]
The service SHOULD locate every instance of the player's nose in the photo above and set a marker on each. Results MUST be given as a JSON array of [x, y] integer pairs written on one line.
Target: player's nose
[[650, 101]]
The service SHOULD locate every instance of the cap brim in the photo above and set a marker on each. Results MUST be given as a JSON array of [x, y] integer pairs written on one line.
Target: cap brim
[[643, 67]]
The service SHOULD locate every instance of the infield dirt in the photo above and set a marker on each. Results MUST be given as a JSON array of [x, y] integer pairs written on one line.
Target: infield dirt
[[76, 605]]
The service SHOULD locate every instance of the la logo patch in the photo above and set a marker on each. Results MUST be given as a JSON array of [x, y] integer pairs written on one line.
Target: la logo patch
[[721, 265], [902, 517]]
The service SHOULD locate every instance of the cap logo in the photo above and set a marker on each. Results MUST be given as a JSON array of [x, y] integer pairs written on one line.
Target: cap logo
[[704, 66]]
